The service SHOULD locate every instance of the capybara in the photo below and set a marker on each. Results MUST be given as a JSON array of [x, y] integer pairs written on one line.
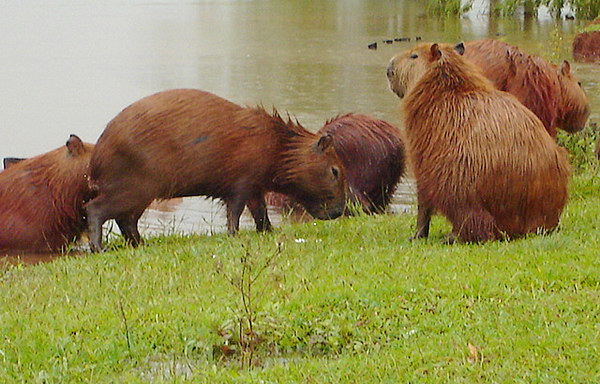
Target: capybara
[[372, 153], [187, 142], [479, 156], [42, 199], [553, 93], [586, 45], [10, 161]]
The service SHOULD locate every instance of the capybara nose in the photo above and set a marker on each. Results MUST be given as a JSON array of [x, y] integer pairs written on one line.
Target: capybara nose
[[390, 70]]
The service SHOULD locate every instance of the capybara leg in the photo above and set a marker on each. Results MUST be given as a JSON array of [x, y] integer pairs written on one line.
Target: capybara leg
[[235, 207], [95, 218], [475, 226], [258, 209], [423, 220], [129, 229]]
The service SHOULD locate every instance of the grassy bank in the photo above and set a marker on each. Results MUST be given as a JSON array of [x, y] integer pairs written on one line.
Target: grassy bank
[[350, 301]]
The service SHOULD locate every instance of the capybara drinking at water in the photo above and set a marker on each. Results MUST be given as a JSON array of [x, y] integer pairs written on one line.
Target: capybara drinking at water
[[188, 142], [553, 93], [372, 153], [42, 199], [479, 156]]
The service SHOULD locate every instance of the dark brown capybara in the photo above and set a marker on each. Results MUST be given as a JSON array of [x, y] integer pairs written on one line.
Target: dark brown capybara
[[187, 142], [42, 199], [372, 153], [553, 93], [10, 161], [479, 156], [586, 45]]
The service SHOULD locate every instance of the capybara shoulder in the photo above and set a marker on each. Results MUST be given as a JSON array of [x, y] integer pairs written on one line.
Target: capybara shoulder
[[479, 156], [42, 198]]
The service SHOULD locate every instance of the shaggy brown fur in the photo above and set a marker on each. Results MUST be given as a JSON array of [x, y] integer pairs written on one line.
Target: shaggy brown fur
[[552, 93], [10, 161], [479, 156], [188, 142], [586, 46], [41, 199], [372, 153]]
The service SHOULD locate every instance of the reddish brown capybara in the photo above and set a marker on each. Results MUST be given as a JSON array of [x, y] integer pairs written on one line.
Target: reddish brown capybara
[[42, 199], [479, 156], [187, 142], [372, 153], [586, 45], [553, 93]]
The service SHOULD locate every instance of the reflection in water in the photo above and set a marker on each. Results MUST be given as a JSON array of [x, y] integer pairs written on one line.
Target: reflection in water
[[69, 67]]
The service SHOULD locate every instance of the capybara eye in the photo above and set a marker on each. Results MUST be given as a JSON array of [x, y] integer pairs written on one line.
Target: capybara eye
[[335, 172], [414, 56]]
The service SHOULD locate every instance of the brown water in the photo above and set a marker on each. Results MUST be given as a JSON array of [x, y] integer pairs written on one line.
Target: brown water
[[70, 66]]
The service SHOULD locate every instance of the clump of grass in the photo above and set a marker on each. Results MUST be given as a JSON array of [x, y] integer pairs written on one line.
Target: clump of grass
[[584, 9], [581, 147], [448, 7]]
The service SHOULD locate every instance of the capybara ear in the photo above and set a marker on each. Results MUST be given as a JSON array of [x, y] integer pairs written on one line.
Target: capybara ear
[[324, 142], [10, 161], [460, 48], [75, 145], [435, 52], [565, 68]]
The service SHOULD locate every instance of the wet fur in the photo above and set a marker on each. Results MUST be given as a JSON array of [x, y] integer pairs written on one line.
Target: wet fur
[[551, 92], [188, 142], [42, 198], [372, 153], [479, 156]]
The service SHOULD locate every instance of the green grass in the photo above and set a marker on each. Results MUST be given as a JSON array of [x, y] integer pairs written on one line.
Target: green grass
[[345, 301]]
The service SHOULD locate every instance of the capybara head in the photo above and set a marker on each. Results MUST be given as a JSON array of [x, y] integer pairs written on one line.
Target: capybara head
[[314, 176], [42, 198], [406, 68], [575, 107]]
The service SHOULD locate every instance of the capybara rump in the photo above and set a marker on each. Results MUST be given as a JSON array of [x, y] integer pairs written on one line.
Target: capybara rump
[[42, 199], [187, 142], [552, 93], [480, 157]]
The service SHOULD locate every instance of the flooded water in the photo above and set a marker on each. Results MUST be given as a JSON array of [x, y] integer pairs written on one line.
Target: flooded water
[[70, 66]]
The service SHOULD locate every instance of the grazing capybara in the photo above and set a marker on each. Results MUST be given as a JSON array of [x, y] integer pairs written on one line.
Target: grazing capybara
[[372, 153], [553, 93], [10, 161], [479, 156], [42, 199], [586, 45], [187, 142]]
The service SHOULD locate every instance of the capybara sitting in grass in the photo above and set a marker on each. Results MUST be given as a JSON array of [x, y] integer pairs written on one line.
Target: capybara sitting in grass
[[372, 153], [187, 142], [553, 93], [42, 199], [479, 156]]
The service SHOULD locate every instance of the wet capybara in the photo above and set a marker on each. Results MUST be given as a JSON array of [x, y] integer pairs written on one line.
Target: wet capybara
[[187, 142], [10, 161], [42, 199], [553, 93], [372, 153], [479, 156], [586, 45]]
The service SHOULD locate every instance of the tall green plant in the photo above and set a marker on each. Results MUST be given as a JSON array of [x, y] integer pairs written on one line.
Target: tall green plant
[[448, 7]]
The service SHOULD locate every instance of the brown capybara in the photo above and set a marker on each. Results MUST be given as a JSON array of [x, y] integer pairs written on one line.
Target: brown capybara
[[42, 199], [586, 45], [553, 93], [597, 151], [372, 153], [479, 156], [187, 142], [10, 161]]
